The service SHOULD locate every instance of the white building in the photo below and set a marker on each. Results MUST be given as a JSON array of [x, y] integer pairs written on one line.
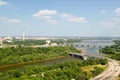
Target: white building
[[48, 41], [8, 39], [1, 41]]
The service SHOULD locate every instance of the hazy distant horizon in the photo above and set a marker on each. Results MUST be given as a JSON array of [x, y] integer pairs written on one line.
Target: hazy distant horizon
[[62, 36]]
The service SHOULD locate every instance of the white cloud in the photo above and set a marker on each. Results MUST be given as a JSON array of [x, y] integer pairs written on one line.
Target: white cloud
[[114, 22], [44, 13], [73, 18], [52, 21], [3, 3], [46, 17], [8, 20], [77, 19], [64, 15], [49, 16], [117, 11]]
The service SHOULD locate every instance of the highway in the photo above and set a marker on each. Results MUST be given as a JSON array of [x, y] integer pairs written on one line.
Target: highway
[[111, 72]]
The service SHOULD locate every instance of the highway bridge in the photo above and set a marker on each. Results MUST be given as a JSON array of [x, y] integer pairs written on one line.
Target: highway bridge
[[78, 55], [84, 56], [94, 43]]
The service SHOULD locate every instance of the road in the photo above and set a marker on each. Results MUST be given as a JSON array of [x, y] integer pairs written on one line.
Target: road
[[111, 73]]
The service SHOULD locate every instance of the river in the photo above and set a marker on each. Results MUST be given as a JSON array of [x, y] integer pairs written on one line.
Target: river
[[40, 63], [92, 46]]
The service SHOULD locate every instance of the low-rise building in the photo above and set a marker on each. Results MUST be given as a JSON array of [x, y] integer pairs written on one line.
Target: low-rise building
[[1, 41]]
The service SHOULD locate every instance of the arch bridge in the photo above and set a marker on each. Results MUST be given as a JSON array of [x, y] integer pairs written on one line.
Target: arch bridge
[[95, 43]]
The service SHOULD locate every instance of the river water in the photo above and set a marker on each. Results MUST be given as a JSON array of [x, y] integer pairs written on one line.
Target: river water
[[40, 63], [92, 46]]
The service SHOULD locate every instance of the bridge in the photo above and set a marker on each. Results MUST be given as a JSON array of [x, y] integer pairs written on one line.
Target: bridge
[[85, 56], [90, 48], [78, 55], [94, 43]]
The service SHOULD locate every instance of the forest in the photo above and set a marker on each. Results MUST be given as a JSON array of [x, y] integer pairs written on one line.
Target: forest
[[14, 55], [25, 42], [60, 71], [112, 51]]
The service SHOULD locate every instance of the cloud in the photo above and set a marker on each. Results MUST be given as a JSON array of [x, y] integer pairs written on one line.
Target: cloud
[[46, 17], [44, 13], [114, 22], [117, 11], [73, 18], [3, 3], [77, 19], [64, 15], [50, 15], [8, 20]]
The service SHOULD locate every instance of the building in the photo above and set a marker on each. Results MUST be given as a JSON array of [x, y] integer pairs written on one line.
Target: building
[[48, 41], [8, 39], [1, 41]]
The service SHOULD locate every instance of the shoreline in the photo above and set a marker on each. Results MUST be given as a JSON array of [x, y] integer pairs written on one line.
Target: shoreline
[[27, 63]]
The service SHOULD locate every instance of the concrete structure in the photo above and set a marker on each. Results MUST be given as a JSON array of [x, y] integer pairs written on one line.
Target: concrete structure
[[23, 36], [8, 39], [78, 55], [48, 41], [53, 44], [95, 43], [85, 56], [111, 73]]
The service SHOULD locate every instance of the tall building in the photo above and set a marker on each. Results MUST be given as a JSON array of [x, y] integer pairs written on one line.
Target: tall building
[[23, 37]]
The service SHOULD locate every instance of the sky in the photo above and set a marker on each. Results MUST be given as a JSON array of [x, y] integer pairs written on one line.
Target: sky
[[84, 18]]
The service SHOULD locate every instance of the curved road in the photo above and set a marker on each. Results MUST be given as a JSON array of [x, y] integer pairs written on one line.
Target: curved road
[[111, 73]]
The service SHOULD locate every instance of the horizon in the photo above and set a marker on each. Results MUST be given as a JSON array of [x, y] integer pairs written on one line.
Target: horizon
[[63, 36]]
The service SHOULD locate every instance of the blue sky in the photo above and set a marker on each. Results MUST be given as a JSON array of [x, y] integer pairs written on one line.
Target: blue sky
[[60, 18]]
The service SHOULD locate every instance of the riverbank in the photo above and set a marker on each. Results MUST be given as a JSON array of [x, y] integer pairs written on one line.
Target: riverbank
[[29, 63], [67, 70]]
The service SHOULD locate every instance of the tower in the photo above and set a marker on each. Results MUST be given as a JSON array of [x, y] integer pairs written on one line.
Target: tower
[[23, 36]]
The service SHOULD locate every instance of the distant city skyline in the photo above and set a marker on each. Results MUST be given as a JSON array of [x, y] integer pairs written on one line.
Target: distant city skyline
[[89, 18]]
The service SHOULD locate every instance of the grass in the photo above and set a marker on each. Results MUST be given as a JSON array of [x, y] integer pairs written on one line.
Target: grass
[[118, 78], [119, 62], [88, 69]]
